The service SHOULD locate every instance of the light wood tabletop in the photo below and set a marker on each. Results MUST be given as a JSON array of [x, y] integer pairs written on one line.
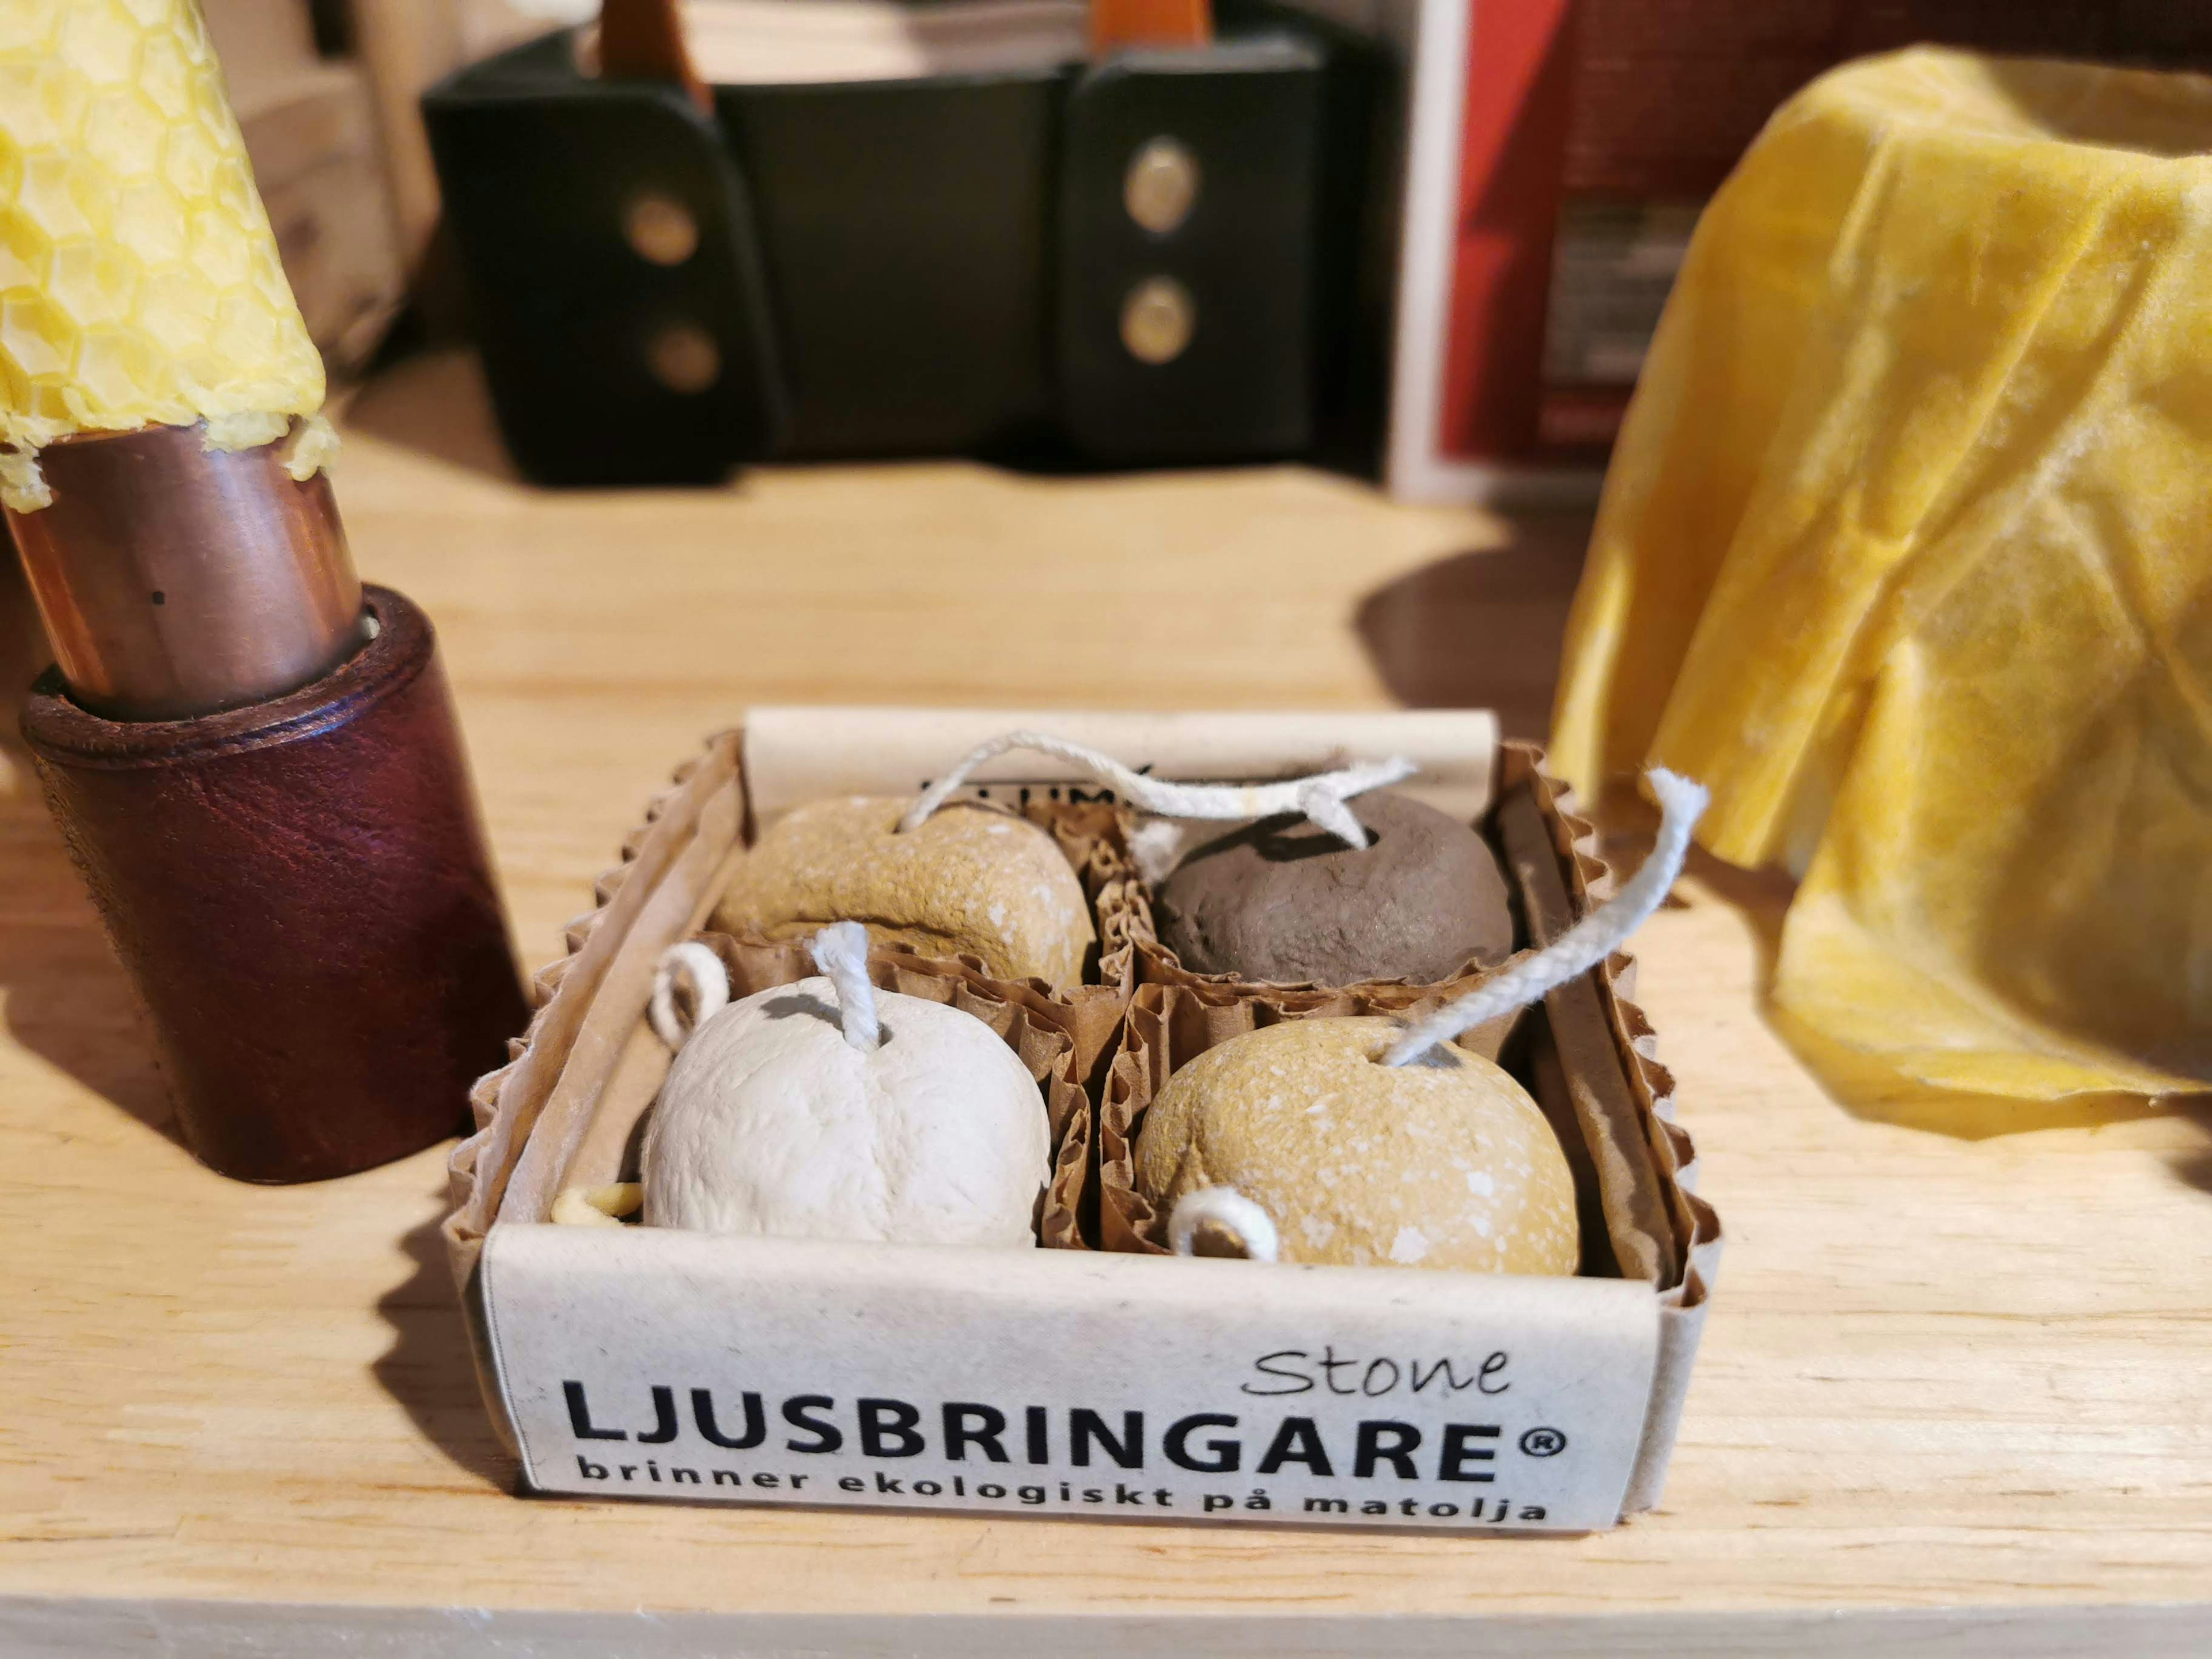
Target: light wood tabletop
[[1952, 1396]]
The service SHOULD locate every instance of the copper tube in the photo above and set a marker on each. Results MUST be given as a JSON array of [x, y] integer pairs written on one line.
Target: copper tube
[[177, 580]]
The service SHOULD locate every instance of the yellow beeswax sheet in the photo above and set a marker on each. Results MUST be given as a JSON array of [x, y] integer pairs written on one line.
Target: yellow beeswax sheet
[[1906, 552], [139, 280]]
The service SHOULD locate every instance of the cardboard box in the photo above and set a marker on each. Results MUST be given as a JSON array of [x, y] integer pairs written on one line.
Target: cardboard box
[[635, 1362]]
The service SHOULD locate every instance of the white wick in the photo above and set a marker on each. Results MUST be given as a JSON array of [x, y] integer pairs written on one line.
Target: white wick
[[1226, 1209], [1154, 847], [840, 951], [698, 972], [1585, 944], [23, 487], [1321, 798]]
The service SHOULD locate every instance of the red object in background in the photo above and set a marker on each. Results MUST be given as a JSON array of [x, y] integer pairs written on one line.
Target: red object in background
[[1512, 148], [1592, 132]]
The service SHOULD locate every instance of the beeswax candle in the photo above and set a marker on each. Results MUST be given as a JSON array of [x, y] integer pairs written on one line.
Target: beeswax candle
[[139, 278]]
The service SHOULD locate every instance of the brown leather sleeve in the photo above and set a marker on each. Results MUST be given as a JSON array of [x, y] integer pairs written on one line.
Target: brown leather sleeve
[[301, 891]]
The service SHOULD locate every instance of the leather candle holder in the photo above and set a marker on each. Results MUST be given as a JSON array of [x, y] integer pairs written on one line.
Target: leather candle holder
[[301, 892]]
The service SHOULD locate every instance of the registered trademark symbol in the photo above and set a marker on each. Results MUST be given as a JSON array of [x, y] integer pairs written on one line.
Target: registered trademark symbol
[[1543, 1442]]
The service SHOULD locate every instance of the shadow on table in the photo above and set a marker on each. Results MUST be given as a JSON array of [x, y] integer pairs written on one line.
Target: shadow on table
[[1867, 1088], [427, 1368], [1482, 630], [67, 997], [1859, 1083], [2194, 1167], [437, 404], [67, 1002]]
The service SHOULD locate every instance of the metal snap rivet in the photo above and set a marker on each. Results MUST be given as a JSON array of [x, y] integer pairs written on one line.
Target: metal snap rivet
[[684, 357], [1158, 319], [1161, 185], [660, 229]]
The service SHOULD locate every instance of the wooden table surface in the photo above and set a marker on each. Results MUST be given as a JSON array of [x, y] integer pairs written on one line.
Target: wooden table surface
[[1952, 1395]]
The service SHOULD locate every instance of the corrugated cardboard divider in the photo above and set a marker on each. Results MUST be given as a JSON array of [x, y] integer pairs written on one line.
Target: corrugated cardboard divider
[[1587, 1056], [577, 1040], [1650, 1098]]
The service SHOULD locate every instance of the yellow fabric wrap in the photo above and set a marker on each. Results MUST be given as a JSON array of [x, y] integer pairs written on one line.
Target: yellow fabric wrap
[[1906, 552], [139, 280]]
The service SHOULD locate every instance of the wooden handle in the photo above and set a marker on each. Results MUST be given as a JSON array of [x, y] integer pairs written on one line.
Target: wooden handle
[[1118, 23], [643, 40]]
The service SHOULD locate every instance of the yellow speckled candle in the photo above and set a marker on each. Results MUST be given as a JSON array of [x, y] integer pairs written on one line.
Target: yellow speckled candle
[[139, 279]]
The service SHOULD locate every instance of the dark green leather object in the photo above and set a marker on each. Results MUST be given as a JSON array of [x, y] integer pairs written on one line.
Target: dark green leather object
[[916, 267]]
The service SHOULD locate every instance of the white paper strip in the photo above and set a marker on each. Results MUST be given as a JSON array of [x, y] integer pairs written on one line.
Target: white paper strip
[[657, 1364], [795, 754]]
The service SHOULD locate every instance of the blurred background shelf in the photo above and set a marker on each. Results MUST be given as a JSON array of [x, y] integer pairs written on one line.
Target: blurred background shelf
[[1538, 168], [1952, 1395], [326, 93]]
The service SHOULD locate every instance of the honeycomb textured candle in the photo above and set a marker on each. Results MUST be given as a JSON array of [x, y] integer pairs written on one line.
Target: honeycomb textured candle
[[139, 279]]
